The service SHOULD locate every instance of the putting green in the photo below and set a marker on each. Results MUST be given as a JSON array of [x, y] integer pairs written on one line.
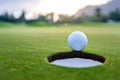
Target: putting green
[[24, 52]]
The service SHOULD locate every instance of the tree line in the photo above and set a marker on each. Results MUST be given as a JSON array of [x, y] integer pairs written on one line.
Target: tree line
[[6, 17], [113, 15], [98, 16]]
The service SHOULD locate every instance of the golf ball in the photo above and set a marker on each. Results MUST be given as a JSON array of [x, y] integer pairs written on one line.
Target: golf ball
[[77, 41]]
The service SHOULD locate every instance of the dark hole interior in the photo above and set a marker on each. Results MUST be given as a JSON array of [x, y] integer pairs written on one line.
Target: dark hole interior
[[65, 55]]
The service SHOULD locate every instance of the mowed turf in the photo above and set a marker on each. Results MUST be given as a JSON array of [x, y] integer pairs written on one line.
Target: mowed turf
[[24, 52]]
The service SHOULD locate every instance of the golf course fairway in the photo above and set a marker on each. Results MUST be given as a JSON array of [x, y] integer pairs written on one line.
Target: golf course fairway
[[24, 51]]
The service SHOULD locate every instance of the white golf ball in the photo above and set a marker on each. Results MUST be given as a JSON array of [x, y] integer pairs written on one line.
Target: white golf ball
[[77, 41]]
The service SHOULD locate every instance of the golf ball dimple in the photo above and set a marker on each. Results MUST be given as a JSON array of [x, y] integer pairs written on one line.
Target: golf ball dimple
[[77, 41]]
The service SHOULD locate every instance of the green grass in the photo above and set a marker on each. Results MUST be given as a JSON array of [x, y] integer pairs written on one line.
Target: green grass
[[24, 52], [8, 24], [39, 24]]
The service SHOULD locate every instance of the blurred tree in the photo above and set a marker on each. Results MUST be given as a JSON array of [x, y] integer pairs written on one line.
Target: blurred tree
[[42, 18], [4, 17], [98, 14], [22, 17], [115, 15], [50, 17], [64, 18], [8, 18], [104, 18]]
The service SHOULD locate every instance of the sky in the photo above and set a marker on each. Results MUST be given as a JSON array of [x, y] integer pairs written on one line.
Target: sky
[[35, 7]]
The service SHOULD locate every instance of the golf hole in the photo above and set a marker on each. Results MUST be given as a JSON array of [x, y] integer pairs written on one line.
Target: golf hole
[[76, 59]]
